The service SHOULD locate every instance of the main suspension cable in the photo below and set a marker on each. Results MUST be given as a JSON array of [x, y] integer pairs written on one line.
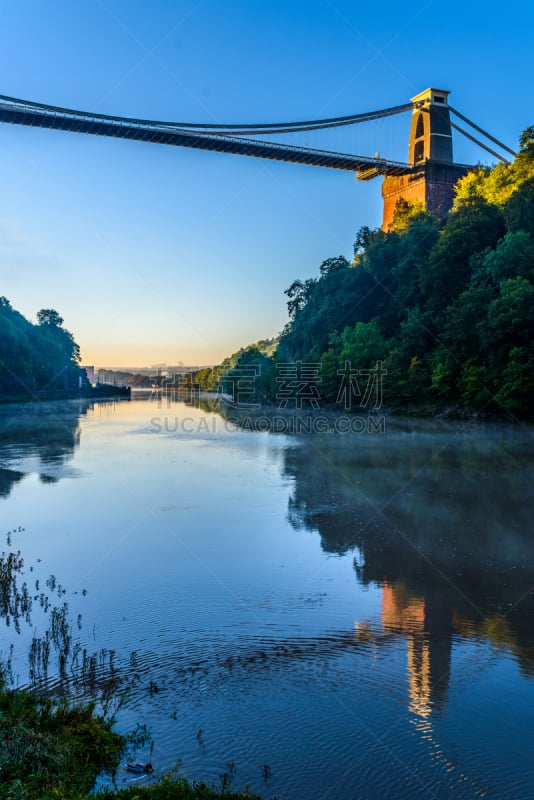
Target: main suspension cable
[[250, 128]]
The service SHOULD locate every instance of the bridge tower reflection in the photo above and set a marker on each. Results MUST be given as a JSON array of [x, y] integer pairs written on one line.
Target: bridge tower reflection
[[427, 624]]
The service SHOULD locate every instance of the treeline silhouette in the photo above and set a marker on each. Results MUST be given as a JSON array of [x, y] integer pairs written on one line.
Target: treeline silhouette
[[36, 357]]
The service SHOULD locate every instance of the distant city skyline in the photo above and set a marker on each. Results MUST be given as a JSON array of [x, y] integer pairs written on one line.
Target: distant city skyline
[[156, 254], [147, 368]]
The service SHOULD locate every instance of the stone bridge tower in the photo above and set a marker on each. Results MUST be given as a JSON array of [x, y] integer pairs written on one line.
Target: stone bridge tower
[[430, 154]]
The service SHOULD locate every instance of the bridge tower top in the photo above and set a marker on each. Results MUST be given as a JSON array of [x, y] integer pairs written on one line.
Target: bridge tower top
[[431, 133], [434, 173]]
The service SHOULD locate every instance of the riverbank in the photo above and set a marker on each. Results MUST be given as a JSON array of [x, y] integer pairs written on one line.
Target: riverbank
[[99, 392], [49, 748], [332, 418]]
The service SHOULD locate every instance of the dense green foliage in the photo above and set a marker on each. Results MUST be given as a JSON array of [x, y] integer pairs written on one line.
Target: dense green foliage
[[50, 749], [447, 307], [247, 375], [36, 357]]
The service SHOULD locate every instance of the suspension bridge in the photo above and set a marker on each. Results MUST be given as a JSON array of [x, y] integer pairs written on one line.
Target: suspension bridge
[[428, 176]]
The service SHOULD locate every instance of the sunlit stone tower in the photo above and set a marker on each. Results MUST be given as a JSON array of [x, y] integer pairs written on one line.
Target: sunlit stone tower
[[430, 152]]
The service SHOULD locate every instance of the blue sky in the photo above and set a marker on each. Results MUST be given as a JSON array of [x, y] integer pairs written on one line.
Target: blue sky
[[157, 254]]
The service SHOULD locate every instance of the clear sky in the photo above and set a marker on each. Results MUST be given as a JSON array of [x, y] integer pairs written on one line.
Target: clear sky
[[157, 254]]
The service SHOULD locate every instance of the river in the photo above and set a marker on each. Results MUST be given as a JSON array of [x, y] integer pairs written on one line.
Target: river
[[320, 617]]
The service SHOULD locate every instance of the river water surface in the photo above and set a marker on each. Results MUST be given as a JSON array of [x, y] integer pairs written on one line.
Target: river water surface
[[318, 617]]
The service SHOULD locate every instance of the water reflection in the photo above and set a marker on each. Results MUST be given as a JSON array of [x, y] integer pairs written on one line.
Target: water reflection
[[288, 642], [8, 478], [427, 624], [38, 438], [440, 520]]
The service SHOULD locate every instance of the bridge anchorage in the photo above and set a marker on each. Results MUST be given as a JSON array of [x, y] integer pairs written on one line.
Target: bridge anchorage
[[428, 177]]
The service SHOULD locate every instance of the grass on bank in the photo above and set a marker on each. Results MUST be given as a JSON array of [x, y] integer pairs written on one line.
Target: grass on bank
[[171, 787], [50, 750]]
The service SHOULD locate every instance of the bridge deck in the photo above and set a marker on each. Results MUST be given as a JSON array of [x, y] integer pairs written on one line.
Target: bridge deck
[[80, 122]]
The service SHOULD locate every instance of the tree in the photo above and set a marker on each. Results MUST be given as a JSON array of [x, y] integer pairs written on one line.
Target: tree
[[464, 319], [414, 247], [526, 142], [332, 265], [405, 213], [472, 228], [513, 257], [516, 388], [330, 375], [363, 239], [363, 345], [510, 318], [298, 294], [35, 357], [519, 210], [49, 316]]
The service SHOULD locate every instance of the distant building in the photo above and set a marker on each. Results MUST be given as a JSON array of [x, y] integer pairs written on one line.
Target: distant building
[[90, 372]]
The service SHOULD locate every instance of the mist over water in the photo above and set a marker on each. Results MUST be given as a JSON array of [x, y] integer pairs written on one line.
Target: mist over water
[[339, 615]]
